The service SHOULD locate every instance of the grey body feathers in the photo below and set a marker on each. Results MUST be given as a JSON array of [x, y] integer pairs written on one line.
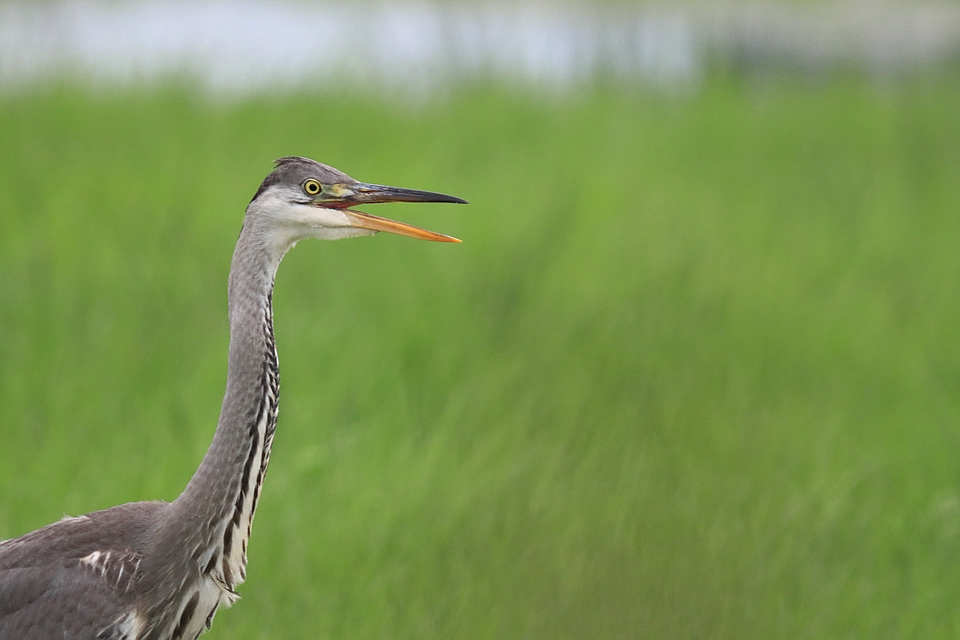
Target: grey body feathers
[[64, 580]]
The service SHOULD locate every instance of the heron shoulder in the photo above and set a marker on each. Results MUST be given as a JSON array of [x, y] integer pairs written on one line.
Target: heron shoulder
[[120, 529], [77, 577]]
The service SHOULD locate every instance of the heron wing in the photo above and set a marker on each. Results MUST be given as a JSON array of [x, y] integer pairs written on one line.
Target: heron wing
[[59, 600], [75, 579]]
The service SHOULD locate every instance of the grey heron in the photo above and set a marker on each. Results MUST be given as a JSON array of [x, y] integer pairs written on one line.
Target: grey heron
[[159, 570]]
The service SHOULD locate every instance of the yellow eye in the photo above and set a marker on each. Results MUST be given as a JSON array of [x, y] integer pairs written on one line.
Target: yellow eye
[[311, 187]]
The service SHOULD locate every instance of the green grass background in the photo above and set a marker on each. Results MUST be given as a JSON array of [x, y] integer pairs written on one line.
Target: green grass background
[[693, 373]]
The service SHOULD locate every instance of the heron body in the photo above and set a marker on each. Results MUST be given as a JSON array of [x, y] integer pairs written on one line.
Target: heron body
[[158, 570]]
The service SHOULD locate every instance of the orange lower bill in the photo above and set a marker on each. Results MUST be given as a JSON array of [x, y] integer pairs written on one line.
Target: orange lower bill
[[376, 223]]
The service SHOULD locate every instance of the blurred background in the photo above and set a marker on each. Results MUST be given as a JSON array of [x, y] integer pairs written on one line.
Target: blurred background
[[693, 373]]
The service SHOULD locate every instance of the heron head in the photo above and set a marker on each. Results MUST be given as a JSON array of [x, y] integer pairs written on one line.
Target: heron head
[[303, 198]]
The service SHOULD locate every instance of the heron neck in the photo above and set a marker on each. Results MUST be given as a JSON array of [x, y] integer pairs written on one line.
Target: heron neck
[[222, 495]]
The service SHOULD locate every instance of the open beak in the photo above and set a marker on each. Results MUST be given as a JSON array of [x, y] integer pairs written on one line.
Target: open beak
[[342, 196]]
